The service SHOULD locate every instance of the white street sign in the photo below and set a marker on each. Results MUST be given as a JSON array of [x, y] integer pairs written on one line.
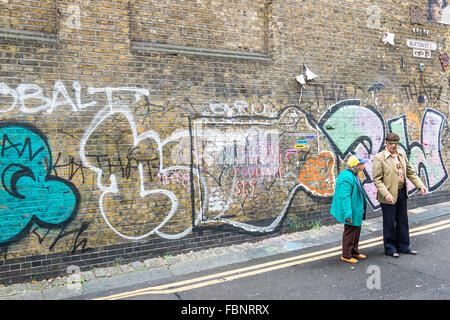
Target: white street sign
[[420, 44], [417, 53]]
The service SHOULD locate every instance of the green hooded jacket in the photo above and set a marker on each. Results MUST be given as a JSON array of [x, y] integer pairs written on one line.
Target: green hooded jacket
[[349, 199]]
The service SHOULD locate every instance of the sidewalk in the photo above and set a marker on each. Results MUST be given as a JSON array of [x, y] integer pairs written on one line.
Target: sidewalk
[[159, 268]]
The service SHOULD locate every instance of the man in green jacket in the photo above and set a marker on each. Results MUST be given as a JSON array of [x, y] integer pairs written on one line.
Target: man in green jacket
[[349, 207]]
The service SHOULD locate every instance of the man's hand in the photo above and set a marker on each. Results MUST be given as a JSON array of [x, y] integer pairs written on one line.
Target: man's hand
[[424, 190], [349, 220], [389, 198]]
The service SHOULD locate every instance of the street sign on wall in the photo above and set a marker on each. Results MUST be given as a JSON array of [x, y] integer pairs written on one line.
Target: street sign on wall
[[418, 53], [420, 44]]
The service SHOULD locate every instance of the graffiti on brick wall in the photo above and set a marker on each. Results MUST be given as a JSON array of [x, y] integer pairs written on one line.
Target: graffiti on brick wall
[[223, 164], [112, 187], [317, 174], [30, 194], [257, 164], [356, 129], [425, 156]]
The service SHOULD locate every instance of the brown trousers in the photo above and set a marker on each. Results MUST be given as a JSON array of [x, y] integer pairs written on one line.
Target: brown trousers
[[350, 240]]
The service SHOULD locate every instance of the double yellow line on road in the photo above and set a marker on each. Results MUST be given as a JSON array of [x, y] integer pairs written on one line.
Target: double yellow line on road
[[264, 267]]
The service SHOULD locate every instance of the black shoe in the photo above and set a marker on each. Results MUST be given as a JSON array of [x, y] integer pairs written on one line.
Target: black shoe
[[413, 252], [395, 254]]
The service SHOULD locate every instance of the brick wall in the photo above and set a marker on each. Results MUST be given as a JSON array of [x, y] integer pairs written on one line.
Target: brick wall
[[135, 129]]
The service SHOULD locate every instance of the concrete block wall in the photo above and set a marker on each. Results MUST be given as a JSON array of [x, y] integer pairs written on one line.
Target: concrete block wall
[[136, 129]]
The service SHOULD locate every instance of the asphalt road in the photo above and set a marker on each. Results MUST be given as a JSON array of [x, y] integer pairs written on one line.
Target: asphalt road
[[315, 273]]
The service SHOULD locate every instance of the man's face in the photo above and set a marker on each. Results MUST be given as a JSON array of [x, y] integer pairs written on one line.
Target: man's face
[[360, 166], [391, 147]]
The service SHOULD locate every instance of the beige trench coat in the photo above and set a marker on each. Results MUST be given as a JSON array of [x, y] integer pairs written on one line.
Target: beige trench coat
[[385, 175]]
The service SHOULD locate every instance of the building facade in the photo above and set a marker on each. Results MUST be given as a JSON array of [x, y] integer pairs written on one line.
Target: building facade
[[134, 129]]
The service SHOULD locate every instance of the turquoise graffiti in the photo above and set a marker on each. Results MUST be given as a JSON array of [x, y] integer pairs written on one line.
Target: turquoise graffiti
[[29, 193], [355, 129]]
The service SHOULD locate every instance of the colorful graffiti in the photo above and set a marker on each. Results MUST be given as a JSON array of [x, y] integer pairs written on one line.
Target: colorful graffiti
[[229, 162], [425, 156], [30, 194], [355, 129], [251, 158], [318, 174]]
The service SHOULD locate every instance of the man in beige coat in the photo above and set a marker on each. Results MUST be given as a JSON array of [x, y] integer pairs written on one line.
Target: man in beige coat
[[390, 170]]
